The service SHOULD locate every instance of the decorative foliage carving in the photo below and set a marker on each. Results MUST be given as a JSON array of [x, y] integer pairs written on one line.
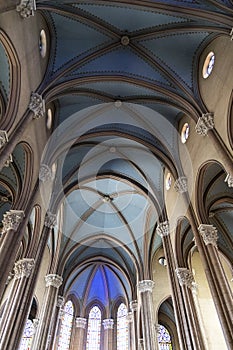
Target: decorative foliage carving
[[12, 219], [145, 286], [163, 229], [37, 105], [185, 277], [50, 220], [181, 184], [53, 280], [81, 322], [3, 138], [26, 8], [204, 124], [209, 234], [108, 323], [23, 268]]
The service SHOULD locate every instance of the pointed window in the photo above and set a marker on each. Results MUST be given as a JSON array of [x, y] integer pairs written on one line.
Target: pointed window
[[66, 326], [94, 328], [164, 338], [122, 328], [26, 341]]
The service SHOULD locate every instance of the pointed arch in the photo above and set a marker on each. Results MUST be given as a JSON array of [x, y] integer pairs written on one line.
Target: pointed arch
[[122, 327], [94, 329], [66, 326]]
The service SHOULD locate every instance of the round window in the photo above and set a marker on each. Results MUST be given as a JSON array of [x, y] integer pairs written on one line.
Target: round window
[[168, 181], [43, 43], [208, 65], [185, 133]]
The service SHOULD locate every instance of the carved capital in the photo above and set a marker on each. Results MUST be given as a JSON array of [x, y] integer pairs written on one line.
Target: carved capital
[[50, 220], [229, 180], [8, 161], [204, 124], [181, 184], [37, 105], [35, 323], [23, 268], [209, 234], [108, 323], [45, 173], [130, 317], [81, 322], [185, 277], [3, 138], [53, 281], [133, 305], [12, 219], [163, 229], [26, 8], [146, 286], [60, 301]]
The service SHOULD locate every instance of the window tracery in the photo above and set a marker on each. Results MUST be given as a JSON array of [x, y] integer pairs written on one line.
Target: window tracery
[[164, 338], [66, 326], [94, 329], [26, 341], [122, 327]]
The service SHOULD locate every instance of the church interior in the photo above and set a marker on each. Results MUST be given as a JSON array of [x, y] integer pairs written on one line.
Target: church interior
[[116, 180]]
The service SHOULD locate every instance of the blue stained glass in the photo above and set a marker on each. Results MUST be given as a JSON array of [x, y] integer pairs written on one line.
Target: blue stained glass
[[66, 326], [94, 328], [164, 338], [122, 328], [26, 341]]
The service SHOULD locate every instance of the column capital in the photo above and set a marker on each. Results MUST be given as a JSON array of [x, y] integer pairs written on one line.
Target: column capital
[[45, 173], [3, 138], [204, 124], [146, 286], [23, 268], [108, 323], [60, 301], [181, 184], [50, 220], [12, 219], [133, 305], [37, 105], [53, 280], [26, 8], [163, 229], [8, 161], [209, 234], [130, 317], [80, 322], [229, 180], [185, 277]]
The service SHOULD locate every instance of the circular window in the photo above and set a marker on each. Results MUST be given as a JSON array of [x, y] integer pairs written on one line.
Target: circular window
[[185, 133], [208, 65], [168, 181], [49, 118], [43, 43]]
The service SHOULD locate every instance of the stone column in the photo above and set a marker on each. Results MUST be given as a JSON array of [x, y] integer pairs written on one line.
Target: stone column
[[11, 222], [80, 332], [222, 294], [131, 345], [187, 283], [56, 323], [108, 333], [52, 282], [134, 324], [147, 309], [140, 344], [22, 270], [185, 340]]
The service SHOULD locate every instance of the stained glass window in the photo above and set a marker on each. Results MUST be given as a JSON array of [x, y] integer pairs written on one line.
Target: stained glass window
[[164, 338], [122, 328], [94, 328], [66, 326], [26, 341]]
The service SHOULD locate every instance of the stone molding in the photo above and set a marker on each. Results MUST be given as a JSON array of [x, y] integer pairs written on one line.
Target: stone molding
[[133, 305], [60, 301], [185, 277], [146, 286], [229, 180], [26, 8], [130, 317], [50, 220], [163, 229], [209, 234], [53, 280], [37, 105], [204, 124], [12, 219], [23, 268], [81, 322], [3, 138], [45, 173], [108, 323], [181, 184]]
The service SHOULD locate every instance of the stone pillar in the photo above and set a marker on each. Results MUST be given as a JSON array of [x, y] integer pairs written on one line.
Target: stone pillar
[[56, 323], [52, 282], [187, 283], [147, 309], [80, 332], [11, 222], [183, 331], [140, 344], [108, 333], [131, 345], [134, 324], [22, 270], [222, 294]]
